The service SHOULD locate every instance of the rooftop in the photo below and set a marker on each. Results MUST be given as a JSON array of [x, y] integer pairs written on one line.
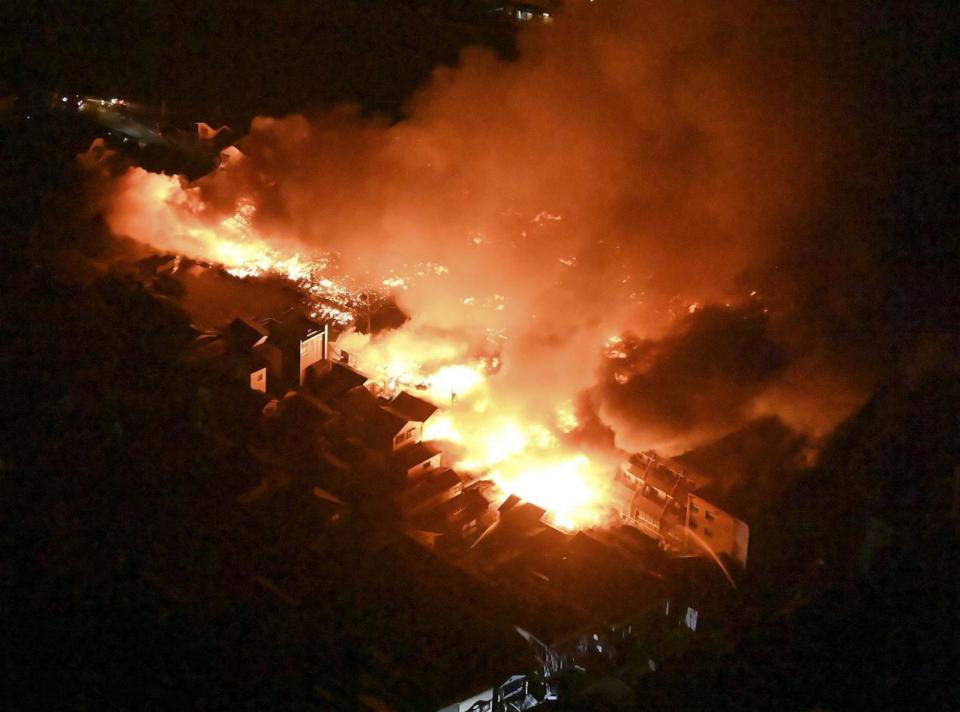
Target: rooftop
[[458, 510], [293, 325], [415, 454], [413, 499], [410, 407], [578, 583], [334, 378]]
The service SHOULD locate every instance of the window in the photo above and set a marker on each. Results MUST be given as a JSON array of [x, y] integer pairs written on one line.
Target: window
[[706, 532], [709, 515]]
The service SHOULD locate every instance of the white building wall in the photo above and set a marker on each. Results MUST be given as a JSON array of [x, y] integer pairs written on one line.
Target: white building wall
[[411, 434], [721, 531], [312, 350]]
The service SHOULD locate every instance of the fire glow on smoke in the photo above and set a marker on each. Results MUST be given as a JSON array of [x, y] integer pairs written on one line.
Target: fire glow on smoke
[[523, 454], [629, 176], [495, 439]]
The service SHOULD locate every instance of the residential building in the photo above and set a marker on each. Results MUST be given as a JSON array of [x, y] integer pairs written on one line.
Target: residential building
[[302, 342], [410, 413], [246, 334], [428, 492], [655, 496], [331, 379], [456, 523]]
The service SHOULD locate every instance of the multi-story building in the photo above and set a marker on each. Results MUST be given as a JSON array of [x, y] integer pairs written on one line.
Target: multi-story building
[[655, 495], [302, 342]]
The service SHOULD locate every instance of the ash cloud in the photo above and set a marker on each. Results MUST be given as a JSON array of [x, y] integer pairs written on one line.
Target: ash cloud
[[637, 159], [630, 151]]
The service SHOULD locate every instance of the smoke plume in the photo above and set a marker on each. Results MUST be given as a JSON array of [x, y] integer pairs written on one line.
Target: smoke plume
[[637, 173]]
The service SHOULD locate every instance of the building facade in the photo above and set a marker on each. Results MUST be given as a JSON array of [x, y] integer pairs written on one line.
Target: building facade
[[654, 495]]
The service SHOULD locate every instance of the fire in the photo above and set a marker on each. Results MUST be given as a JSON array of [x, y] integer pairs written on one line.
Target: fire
[[455, 381], [524, 213], [561, 486], [486, 424], [566, 418], [527, 459], [523, 454], [495, 439], [159, 209]]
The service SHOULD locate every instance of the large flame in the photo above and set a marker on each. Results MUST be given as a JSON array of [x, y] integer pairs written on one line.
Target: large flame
[[483, 422], [627, 172], [160, 210], [490, 429]]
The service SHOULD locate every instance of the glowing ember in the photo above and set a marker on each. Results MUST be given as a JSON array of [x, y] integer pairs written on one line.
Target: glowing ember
[[565, 417], [479, 417], [160, 210], [522, 455], [560, 486]]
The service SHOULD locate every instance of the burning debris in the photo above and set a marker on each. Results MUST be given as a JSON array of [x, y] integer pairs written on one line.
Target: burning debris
[[517, 231], [496, 437], [458, 405], [699, 229]]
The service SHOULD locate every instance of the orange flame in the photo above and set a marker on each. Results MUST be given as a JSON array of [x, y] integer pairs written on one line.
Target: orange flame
[[522, 454]]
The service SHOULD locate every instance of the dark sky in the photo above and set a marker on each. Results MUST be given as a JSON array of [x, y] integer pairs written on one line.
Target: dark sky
[[246, 58]]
